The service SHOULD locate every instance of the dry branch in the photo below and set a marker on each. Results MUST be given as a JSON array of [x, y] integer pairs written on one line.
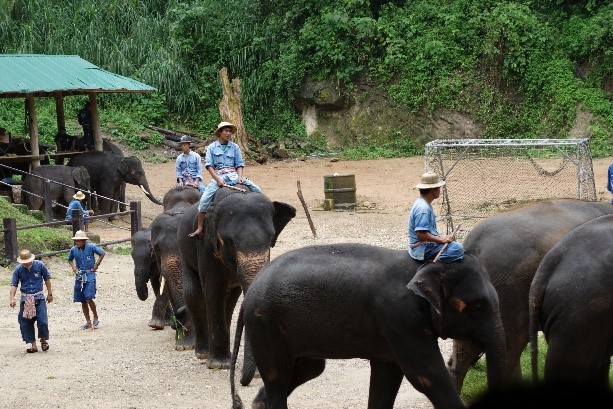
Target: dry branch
[[306, 210]]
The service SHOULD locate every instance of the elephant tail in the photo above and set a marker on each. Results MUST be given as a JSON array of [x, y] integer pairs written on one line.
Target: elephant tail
[[535, 301], [236, 400]]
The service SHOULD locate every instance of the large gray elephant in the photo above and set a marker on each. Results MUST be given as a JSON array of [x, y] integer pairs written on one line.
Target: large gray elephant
[[240, 230], [166, 251], [108, 171], [146, 271], [71, 179], [511, 246], [571, 301], [348, 300]]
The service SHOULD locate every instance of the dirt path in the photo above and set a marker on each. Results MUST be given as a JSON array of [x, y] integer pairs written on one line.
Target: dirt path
[[125, 364]]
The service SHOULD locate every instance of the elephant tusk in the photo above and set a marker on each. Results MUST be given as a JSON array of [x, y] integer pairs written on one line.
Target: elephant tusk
[[143, 189], [162, 283]]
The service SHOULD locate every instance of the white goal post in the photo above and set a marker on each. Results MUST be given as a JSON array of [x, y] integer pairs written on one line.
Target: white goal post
[[484, 176]]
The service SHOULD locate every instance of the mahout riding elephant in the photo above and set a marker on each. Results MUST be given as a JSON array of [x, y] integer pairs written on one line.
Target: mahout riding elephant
[[146, 271], [571, 301], [71, 179], [511, 246], [348, 300], [107, 172], [240, 230], [168, 259]]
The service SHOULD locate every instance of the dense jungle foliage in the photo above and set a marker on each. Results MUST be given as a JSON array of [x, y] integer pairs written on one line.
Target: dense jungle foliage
[[520, 68]]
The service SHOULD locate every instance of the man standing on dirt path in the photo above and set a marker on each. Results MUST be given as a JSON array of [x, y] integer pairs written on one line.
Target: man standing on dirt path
[[82, 260]]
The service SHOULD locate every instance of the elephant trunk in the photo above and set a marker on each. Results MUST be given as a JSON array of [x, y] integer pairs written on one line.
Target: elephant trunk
[[173, 282], [496, 355], [249, 265], [145, 188], [141, 276]]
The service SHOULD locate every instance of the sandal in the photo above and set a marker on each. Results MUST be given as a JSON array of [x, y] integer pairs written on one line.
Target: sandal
[[45, 346], [31, 350], [85, 326], [95, 324]]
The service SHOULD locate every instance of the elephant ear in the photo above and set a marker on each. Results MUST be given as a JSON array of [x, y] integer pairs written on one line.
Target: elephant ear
[[124, 166], [427, 283], [283, 214]]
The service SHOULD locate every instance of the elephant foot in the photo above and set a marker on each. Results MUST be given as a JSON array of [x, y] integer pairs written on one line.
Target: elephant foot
[[216, 363], [156, 324], [202, 355], [181, 347]]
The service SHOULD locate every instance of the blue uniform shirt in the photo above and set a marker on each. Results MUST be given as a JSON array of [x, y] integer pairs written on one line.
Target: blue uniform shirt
[[422, 218], [84, 258], [31, 279], [219, 158], [74, 205], [190, 164]]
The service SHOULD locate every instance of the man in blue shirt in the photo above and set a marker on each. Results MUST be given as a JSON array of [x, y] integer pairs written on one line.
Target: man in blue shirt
[[610, 180], [424, 239], [82, 260], [75, 204], [188, 166], [224, 162], [32, 305]]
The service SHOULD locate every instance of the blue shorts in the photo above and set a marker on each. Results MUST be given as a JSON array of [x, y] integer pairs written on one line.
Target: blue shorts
[[84, 292]]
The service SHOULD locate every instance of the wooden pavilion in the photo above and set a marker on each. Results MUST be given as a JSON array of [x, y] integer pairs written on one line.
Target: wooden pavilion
[[30, 76]]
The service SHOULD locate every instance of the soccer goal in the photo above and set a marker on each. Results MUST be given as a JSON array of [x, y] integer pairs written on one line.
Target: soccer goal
[[485, 176]]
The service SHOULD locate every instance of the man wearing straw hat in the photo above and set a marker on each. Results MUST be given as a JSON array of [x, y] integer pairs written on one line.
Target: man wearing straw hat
[[425, 242], [224, 161], [75, 204], [32, 306], [82, 260]]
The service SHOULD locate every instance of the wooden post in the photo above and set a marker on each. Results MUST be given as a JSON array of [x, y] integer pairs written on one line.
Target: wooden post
[[93, 106], [33, 125], [306, 210], [77, 221], [10, 238], [135, 218], [60, 117], [47, 199], [230, 109]]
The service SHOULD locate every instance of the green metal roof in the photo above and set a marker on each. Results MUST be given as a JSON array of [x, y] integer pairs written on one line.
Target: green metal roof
[[45, 75]]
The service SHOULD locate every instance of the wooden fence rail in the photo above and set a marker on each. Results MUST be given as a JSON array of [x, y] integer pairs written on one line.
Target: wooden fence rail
[[11, 248]]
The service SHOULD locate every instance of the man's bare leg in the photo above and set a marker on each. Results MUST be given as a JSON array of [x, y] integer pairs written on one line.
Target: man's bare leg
[[198, 232]]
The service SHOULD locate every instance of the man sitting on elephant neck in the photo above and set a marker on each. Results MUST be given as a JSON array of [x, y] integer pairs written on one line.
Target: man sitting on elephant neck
[[188, 166], [224, 162], [425, 242]]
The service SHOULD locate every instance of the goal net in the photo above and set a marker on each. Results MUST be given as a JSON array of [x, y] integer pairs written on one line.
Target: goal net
[[484, 176]]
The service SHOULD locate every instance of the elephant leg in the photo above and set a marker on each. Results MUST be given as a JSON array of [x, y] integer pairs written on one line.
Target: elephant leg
[[304, 370], [194, 300], [216, 296], [464, 354], [158, 314], [385, 380]]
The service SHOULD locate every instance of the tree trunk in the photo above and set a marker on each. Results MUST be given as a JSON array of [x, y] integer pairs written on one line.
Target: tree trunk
[[230, 109]]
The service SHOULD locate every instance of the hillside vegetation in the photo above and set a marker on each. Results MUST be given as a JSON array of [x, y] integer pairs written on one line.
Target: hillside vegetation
[[520, 68]]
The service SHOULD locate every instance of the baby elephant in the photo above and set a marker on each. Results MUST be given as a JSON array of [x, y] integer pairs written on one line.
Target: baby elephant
[[343, 301]]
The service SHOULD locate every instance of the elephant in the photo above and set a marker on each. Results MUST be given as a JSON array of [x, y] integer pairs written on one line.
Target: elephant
[[107, 172], [571, 301], [146, 270], [168, 260], [349, 300], [240, 230], [511, 245], [71, 179]]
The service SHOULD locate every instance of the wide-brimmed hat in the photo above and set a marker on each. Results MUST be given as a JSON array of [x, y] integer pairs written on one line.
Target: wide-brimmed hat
[[430, 180], [80, 235], [224, 125], [185, 139], [79, 195], [25, 257]]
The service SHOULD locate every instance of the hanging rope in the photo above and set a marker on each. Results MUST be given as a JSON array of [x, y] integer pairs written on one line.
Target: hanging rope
[[543, 172]]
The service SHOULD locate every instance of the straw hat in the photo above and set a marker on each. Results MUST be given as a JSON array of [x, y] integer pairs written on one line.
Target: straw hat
[[185, 139], [80, 235], [224, 125], [79, 195], [430, 180], [25, 257]]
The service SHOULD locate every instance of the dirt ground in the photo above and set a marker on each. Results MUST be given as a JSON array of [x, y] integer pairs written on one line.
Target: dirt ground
[[126, 364]]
